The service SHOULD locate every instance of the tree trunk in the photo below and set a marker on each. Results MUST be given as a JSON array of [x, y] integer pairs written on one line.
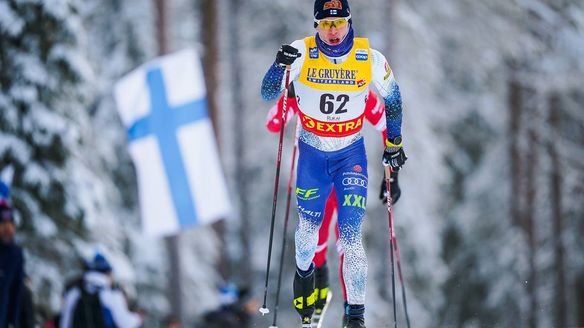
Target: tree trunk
[[391, 36], [529, 224], [174, 276], [580, 301], [558, 218], [515, 109], [210, 64], [172, 242], [523, 184], [161, 32], [240, 143], [210, 57]]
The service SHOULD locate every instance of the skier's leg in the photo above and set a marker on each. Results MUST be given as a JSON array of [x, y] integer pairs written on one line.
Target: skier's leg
[[304, 296], [323, 234], [321, 283], [310, 203], [355, 260], [313, 186], [341, 261], [351, 186]]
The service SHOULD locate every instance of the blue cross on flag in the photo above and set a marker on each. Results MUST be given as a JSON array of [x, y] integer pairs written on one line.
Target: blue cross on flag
[[163, 105]]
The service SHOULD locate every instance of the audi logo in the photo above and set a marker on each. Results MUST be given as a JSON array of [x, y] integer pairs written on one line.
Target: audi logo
[[355, 182]]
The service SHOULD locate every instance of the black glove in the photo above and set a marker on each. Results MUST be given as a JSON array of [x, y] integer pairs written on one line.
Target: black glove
[[287, 55], [395, 190], [394, 157]]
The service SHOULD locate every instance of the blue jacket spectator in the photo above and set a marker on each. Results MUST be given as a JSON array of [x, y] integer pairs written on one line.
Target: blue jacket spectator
[[112, 310], [11, 269]]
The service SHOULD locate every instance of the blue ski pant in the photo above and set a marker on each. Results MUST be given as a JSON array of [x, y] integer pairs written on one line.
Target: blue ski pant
[[346, 171]]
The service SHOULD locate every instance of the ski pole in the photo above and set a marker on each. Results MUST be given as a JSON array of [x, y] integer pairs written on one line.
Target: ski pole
[[387, 180], [398, 258], [264, 309], [401, 279], [274, 324]]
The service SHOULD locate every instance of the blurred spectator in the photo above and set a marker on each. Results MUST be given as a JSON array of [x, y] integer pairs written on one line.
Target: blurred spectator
[[94, 302], [171, 322], [11, 269], [235, 310], [27, 312], [52, 321]]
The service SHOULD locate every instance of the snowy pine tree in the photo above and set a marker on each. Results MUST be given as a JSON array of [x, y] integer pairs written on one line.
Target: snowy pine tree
[[43, 123]]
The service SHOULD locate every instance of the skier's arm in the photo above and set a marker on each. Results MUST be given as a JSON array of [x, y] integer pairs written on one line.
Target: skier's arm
[[388, 88], [274, 118], [386, 85], [374, 113], [273, 82]]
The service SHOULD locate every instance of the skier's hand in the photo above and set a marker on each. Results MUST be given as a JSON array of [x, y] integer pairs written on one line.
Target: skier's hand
[[395, 189], [394, 157], [287, 55], [394, 154]]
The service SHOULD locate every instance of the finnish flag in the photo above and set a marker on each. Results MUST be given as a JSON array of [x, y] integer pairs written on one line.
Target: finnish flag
[[163, 105]]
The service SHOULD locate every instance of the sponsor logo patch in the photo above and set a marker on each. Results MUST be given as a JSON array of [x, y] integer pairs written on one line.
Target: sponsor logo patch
[[331, 129], [333, 4], [307, 194], [331, 76], [361, 83], [313, 214], [387, 71], [354, 201], [357, 168], [313, 53], [354, 182], [361, 54]]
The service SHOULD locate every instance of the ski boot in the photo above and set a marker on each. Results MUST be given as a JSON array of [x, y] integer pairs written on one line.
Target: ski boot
[[354, 316], [304, 295], [323, 295]]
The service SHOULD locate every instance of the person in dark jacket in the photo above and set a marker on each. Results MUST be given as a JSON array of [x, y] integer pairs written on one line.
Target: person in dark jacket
[[235, 310], [109, 308], [27, 308], [11, 269]]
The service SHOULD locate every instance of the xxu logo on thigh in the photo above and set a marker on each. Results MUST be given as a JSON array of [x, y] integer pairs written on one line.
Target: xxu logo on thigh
[[354, 200], [307, 194]]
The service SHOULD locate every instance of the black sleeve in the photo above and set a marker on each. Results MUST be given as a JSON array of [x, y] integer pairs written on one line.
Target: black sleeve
[[15, 292]]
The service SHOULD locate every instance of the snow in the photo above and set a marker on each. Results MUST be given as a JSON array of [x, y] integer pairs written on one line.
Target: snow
[[9, 20], [452, 60]]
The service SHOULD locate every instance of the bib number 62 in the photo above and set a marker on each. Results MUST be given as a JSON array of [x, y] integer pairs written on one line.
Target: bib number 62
[[328, 103]]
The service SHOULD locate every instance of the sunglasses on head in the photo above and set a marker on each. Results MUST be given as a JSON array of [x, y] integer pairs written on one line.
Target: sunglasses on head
[[327, 24]]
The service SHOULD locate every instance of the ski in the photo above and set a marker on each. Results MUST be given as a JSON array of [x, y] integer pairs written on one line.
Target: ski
[[317, 319]]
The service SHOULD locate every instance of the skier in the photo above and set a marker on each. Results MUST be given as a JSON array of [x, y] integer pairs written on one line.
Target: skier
[[332, 72], [374, 110]]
